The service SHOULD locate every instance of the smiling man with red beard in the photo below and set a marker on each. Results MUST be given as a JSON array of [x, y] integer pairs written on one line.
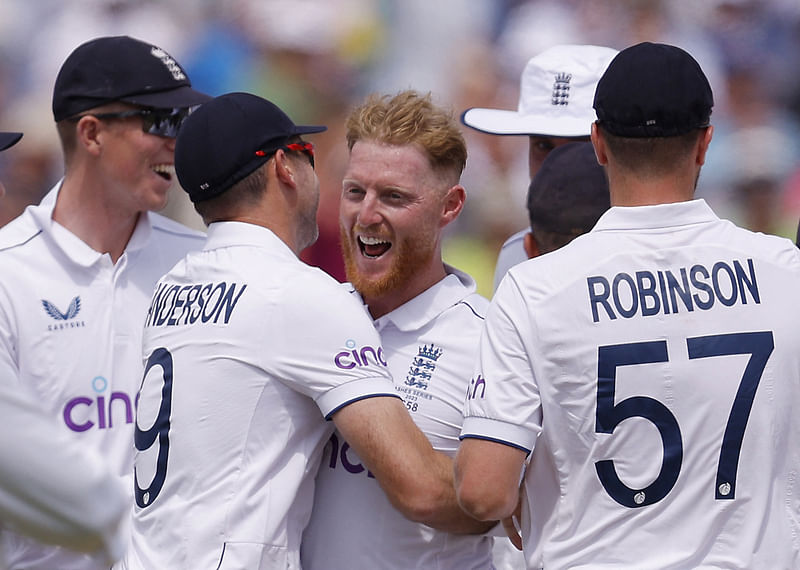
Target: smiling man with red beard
[[400, 190]]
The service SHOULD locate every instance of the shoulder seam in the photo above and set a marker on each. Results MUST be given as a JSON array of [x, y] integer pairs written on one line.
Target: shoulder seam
[[471, 308], [20, 243]]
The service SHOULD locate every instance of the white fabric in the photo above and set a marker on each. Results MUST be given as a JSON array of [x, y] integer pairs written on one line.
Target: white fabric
[[429, 344], [251, 349], [512, 253], [544, 384], [51, 487], [70, 333], [556, 95]]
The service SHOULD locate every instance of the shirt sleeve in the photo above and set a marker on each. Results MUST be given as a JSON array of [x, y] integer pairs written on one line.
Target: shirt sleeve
[[502, 401], [330, 350]]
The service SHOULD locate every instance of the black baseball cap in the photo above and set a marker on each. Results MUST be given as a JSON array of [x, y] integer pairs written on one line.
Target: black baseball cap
[[228, 138], [7, 140], [653, 90], [569, 192], [121, 68]]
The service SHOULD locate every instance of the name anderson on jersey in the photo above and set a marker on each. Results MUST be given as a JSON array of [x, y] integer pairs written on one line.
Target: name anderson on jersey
[[646, 293], [174, 305]]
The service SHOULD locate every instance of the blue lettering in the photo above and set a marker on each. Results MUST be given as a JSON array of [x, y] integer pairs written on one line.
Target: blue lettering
[[601, 297]]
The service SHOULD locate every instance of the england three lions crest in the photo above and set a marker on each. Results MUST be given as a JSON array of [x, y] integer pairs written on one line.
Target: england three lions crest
[[423, 365]]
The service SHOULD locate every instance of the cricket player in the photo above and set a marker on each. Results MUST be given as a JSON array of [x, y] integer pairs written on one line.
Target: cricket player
[[650, 368]]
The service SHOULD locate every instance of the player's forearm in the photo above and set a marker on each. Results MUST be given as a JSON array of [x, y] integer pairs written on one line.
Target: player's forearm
[[435, 504]]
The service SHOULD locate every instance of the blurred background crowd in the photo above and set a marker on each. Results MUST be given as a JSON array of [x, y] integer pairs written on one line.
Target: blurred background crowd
[[317, 58]]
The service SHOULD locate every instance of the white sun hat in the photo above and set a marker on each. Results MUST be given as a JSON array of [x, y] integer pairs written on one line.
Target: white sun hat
[[556, 94]]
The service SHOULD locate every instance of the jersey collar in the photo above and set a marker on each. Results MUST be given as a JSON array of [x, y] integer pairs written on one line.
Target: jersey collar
[[655, 217], [232, 234], [71, 245], [429, 304]]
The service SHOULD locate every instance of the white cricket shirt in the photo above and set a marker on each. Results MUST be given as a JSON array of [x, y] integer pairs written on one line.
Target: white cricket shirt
[[429, 344], [653, 368], [512, 253], [70, 332], [249, 351]]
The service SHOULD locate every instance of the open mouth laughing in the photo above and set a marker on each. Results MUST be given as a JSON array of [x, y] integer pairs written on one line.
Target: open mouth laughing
[[165, 171], [373, 247]]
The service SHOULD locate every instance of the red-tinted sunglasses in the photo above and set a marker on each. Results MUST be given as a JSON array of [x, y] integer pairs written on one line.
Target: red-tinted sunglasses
[[305, 147]]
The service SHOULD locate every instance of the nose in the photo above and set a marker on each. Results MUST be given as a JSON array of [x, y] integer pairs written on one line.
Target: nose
[[170, 143], [369, 211]]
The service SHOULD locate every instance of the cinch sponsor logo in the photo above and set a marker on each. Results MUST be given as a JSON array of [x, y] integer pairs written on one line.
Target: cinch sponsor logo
[[339, 456], [65, 320], [354, 356], [474, 385], [84, 412]]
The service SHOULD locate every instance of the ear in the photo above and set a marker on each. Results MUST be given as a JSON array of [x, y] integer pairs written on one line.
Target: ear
[[705, 140], [453, 203], [530, 245], [89, 133], [599, 145], [284, 169]]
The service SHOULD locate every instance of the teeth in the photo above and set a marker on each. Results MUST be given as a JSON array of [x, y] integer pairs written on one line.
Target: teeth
[[164, 168], [372, 240]]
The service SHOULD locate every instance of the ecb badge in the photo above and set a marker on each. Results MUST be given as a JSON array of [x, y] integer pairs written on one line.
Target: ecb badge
[[423, 365]]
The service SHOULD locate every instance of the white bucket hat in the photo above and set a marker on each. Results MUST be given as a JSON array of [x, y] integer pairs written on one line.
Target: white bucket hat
[[556, 93]]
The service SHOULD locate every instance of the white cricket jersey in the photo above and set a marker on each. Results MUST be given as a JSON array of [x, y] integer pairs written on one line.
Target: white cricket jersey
[[70, 331], [249, 350], [512, 253], [429, 344], [653, 368], [53, 488]]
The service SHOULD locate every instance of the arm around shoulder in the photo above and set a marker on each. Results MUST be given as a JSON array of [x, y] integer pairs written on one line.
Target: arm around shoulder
[[417, 479]]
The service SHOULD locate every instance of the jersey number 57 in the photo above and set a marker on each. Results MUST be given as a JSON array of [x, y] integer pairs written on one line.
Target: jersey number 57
[[758, 345]]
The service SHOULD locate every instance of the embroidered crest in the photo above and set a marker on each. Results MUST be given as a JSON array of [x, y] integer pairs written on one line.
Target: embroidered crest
[[423, 365], [561, 89], [171, 64]]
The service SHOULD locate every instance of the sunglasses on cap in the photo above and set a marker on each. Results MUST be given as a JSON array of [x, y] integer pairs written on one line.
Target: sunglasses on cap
[[305, 147], [159, 122]]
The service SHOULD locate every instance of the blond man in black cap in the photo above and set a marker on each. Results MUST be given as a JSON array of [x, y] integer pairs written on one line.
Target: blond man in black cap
[[650, 367], [78, 269]]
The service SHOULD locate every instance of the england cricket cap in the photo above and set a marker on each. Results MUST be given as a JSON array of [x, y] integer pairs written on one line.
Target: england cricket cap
[[653, 90], [226, 139], [569, 192], [555, 98], [121, 68], [7, 140]]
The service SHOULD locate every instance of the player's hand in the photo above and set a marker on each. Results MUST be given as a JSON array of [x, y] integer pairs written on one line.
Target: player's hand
[[512, 527]]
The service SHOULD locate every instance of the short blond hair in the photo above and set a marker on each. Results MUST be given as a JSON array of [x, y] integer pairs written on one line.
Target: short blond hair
[[410, 118]]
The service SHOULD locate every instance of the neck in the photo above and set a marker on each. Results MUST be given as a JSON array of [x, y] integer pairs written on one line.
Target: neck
[[84, 210], [629, 190]]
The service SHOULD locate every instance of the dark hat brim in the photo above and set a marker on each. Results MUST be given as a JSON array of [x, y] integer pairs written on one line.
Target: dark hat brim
[[181, 97], [8, 140]]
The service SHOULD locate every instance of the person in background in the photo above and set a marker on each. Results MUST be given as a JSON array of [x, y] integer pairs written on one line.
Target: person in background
[[400, 191], [79, 269], [555, 108], [663, 314]]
